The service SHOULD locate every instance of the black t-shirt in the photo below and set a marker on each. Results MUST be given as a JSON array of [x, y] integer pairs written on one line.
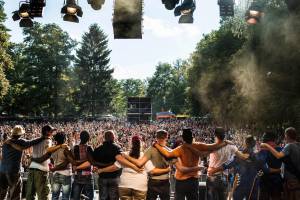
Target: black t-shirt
[[106, 153]]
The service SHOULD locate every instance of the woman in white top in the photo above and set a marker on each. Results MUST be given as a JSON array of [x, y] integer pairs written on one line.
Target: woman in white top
[[133, 185]]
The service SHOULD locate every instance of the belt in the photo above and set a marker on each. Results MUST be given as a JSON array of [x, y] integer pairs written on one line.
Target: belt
[[158, 180]]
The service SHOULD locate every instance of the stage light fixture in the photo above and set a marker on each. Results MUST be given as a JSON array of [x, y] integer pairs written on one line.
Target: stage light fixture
[[71, 11], [127, 19], [226, 8], [170, 4], [24, 15], [37, 7], [96, 4], [254, 13], [185, 11]]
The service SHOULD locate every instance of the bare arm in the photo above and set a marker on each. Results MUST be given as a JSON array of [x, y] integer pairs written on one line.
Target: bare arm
[[184, 169], [275, 153], [61, 166], [15, 146], [111, 168], [166, 153], [243, 156], [126, 163], [208, 147], [159, 171], [196, 151], [42, 158], [138, 162], [84, 165]]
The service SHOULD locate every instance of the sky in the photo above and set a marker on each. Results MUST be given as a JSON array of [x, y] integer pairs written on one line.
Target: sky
[[164, 40]]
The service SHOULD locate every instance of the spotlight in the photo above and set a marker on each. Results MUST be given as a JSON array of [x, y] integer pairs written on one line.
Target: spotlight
[[71, 11], [24, 13], [127, 20], [254, 13], [226, 8], [96, 4], [36, 7], [26, 22], [185, 11], [170, 4], [16, 16]]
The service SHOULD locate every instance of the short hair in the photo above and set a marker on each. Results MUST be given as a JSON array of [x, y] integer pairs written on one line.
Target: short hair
[[109, 135], [84, 137], [250, 141], [60, 137], [187, 135], [161, 134], [291, 133], [220, 133], [268, 136]]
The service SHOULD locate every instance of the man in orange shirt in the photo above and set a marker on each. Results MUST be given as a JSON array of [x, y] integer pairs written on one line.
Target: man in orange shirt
[[187, 182]]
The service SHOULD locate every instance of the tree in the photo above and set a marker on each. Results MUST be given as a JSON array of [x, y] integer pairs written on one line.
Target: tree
[[93, 72], [167, 87], [47, 59], [133, 87], [5, 59]]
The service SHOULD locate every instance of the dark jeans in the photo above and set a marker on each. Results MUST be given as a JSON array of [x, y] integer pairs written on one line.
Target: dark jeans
[[188, 189], [11, 183], [83, 185], [108, 188], [61, 183], [158, 187], [216, 187], [37, 183]]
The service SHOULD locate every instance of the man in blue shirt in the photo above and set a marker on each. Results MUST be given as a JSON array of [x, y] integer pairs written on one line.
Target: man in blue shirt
[[10, 179], [291, 156]]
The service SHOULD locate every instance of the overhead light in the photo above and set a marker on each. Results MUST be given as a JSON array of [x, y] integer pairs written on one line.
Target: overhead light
[[226, 8], [186, 19], [26, 22], [254, 13], [96, 4], [71, 11], [185, 11], [127, 20], [24, 10], [37, 7], [170, 4], [24, 15]]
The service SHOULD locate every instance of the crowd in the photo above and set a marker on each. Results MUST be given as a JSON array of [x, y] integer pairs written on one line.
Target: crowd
[[136, 161]]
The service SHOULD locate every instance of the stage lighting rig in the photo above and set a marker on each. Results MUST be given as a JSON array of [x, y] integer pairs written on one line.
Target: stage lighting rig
[[254, 13], [96, 4], [71, 11], [226, 8], [170, 4], [127, 19], [36, 7], [185, 11], [24, 15]]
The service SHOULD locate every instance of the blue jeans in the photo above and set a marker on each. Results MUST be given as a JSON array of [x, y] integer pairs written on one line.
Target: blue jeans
[[61, 182], [108, 188], [83, 185], [216, 187]]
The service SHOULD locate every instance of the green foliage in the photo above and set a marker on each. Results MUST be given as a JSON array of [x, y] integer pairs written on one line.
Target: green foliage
[[94, 75], [249, 74], [5, 59], [167, 87], [133, 87]]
